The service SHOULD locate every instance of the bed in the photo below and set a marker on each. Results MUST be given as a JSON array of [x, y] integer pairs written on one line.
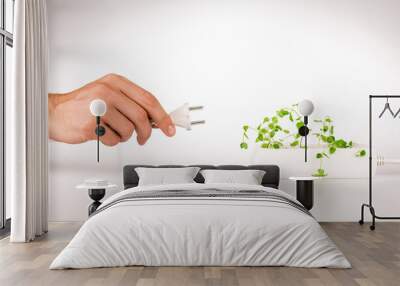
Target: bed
[[198, 224]]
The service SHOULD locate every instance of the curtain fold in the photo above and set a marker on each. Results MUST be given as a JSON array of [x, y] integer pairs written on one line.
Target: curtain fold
[[28, 160]]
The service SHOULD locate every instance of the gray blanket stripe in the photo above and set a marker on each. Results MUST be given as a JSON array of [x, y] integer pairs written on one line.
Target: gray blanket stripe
[[205, 194]]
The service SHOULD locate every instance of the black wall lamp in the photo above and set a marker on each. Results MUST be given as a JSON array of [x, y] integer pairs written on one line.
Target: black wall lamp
[[306, 107], [98, 108]]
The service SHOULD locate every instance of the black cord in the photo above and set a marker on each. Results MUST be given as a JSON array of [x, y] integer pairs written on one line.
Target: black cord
[[98, 146], [305, 148], [98, 137]]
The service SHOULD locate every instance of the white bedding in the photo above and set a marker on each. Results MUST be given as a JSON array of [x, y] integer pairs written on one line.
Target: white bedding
[[200, 231]]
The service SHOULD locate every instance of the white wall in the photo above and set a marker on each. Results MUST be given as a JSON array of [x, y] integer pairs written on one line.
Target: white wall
[[242, 60]]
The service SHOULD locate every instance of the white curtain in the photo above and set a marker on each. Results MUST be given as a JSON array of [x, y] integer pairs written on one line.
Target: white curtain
[[27, 118]]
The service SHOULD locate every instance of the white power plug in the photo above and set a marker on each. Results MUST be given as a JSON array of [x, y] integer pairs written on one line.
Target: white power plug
[[181, 116]]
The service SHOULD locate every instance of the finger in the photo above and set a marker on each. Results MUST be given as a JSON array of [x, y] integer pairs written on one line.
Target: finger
[[135, 114], [119, 123], [145, 99], [110, 138]]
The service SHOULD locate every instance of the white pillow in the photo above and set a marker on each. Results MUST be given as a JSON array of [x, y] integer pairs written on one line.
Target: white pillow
[[163, 176], [248, 177]]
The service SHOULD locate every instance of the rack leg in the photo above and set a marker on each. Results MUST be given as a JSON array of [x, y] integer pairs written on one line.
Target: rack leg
[[361, 221], [372, 210]]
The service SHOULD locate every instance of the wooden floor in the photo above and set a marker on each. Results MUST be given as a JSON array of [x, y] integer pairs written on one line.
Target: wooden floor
[[375, 257]]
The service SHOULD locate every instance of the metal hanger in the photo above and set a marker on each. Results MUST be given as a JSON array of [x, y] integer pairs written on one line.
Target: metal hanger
[[387, 107], [397, 113]]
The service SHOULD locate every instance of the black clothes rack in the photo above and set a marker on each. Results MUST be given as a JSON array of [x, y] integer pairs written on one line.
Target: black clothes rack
[[370, 205]]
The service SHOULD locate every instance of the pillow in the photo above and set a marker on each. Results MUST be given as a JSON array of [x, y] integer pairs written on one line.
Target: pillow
[[163, 176], [248, 177]]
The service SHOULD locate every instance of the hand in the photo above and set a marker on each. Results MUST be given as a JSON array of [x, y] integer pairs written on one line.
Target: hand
[[129, 108]]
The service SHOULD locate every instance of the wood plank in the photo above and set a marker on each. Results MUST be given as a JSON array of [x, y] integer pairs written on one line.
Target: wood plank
[[375, 257]]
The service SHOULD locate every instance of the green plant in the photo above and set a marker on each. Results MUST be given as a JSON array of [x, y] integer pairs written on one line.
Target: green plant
[[273, 133]]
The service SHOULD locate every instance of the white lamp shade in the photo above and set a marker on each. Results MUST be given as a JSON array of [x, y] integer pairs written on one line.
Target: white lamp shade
[[306, 107], [98, 107]]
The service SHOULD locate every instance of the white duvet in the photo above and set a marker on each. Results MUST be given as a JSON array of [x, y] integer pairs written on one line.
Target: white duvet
[[193, 231]]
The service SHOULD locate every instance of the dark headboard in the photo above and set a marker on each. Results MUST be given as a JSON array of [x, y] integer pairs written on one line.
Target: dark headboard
[[271, 177]]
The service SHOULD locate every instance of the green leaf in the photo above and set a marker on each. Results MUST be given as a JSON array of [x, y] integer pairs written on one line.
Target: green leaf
[[282, 112], [244, 145], [332, 150], [294, 143], [276, 145], [286, 131], [327, 119], [350, 144], [275, 119], [245, 128], [361, 153], [272, 133], [340, 143], [299, 124], [330, 139], [263, 130], [325, 128], [265, 145], [266, 119], [271, 125], [320, 173], [291, 117], [319, 156]]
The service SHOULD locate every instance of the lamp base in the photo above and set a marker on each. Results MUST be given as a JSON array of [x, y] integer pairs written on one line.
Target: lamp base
[[96, 195]]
